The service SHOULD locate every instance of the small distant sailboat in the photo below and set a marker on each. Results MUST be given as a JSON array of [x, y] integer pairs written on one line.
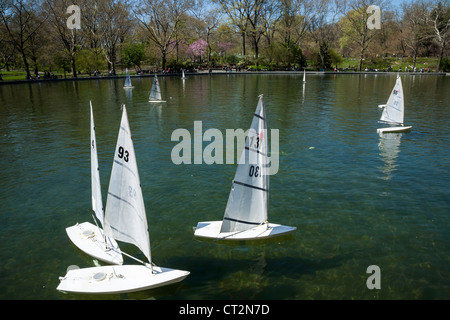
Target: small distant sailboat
[[182, 74], [86, 236], [393, 110], [125, 220], [128, 84], [304, 76], [246, 214], [155, 94]]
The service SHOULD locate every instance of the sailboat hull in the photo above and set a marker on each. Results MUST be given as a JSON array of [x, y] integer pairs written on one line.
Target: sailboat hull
[[88, 238], [394, 129], [211, 230], [129, 87], [118, 279]]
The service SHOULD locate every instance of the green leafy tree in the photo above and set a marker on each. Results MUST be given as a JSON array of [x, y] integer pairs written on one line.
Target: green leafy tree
[[90, 60], [133, 54]]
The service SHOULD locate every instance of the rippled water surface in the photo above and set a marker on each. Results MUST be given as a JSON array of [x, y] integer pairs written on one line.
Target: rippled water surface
[[357, 199]]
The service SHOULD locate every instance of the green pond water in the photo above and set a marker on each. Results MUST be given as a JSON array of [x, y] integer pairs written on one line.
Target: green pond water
[[357, 199]]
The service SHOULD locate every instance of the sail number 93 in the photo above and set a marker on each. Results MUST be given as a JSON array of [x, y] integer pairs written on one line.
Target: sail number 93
[[123, 154]]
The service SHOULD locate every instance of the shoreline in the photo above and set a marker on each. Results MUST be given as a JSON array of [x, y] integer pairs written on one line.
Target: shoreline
[[216, 72]]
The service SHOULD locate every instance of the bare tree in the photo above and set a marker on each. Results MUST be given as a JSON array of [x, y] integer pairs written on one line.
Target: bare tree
[[209, 18], [295, 17], [90, 20], [354, 24], [7, 49], [161, 19], [414, 26], [70, 39], [256, 10], [440, 24], [236, 10], [322, 26], [114, 26], [21, 24]]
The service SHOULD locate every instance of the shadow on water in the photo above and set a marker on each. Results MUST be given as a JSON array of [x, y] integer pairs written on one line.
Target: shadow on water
[[235, 272], [260, 276]]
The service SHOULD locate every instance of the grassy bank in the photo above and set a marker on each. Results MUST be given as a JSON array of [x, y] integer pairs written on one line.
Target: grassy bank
[[379, 64], [392, 62]]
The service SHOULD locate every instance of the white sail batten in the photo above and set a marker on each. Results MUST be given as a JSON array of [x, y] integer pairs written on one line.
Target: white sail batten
[[393, 111], [155, 94], [248, 200], [97, 203], [125, 217]]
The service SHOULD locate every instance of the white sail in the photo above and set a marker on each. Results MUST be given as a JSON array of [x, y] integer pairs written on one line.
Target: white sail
[[304, 75], [155, 94], [97, 203], [125, 217], [125, 220], [394, 109], [86, 236], [128, 81], [248, 200]]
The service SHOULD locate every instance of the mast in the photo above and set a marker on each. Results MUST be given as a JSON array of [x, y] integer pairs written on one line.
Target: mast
[[265, 159]]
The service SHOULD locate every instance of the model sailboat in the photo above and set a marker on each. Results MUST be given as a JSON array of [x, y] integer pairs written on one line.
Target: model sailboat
[[125, 220], [155, 94], [246, 213], [86, 236], [393, 110], [128, 84], [304, 76]]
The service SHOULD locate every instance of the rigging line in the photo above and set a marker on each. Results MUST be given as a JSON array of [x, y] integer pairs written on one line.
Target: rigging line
[[255, 150], [262, 118], [101, 232], [242, 221], [150, 263], [391, 122], [250, 186]]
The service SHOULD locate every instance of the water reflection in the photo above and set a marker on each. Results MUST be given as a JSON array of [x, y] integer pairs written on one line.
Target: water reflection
[[389, 148], [304, 91], [129, 94]]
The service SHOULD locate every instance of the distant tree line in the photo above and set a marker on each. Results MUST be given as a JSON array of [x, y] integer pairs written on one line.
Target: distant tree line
[[174, 34]]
